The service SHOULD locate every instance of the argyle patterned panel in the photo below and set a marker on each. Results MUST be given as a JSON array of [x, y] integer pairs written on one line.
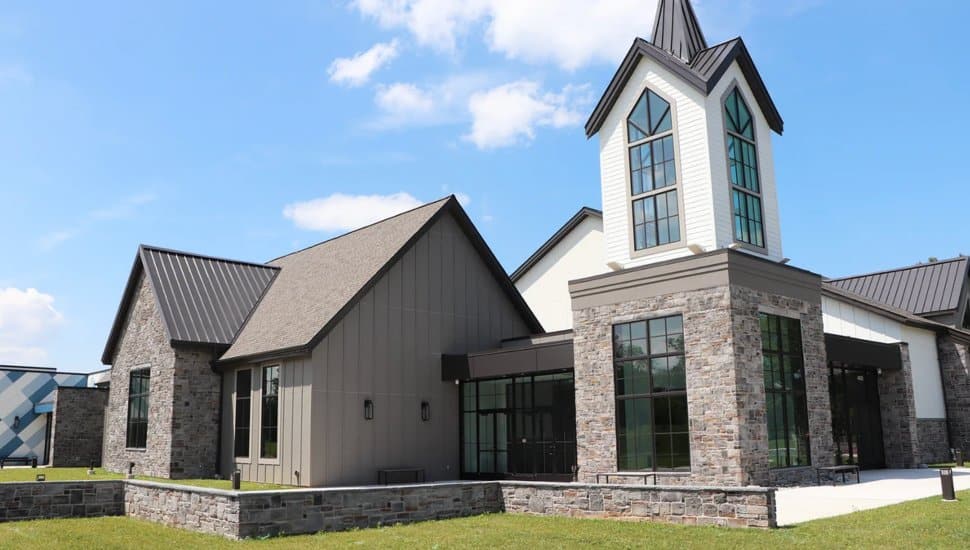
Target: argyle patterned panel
[[20, 391]]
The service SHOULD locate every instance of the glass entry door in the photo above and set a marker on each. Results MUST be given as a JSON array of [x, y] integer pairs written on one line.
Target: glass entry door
[[856, 418], [519, 427]]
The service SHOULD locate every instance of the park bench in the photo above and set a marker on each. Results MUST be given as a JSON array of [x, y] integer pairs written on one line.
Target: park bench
[[21, 460], [831, 471]]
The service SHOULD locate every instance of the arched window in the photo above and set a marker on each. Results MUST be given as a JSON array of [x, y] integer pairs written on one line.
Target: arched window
[[653, 173], [743, 167]]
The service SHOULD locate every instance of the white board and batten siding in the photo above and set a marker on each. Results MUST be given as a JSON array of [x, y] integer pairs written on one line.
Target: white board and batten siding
[[545, 286], [701, 159], [845, 319], [439, 298]]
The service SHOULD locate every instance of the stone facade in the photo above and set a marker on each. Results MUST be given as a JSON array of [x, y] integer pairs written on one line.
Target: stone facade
[[897, 404], [687, 506], [61, 499], [725, 382], [78, 426], [955, 367], [183, 402], [934, 443]]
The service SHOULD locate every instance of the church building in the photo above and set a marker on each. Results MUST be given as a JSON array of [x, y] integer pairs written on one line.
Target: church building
[[665, 335]]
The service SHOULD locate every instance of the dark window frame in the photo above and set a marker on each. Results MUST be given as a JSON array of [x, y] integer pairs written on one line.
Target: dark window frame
[[651, 396], [243, 402], [654, 236], [269, 422], [747, 192], [136, 433], [791, 392]]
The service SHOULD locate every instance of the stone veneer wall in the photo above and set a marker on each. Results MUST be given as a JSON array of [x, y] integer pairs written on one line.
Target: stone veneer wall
[[143, 344], [955, 367], [725, 383], [61, 499], [195, 415], [78, 426], [934, 444], [744, 507], [198, 509], [183, 400], [897, 403]]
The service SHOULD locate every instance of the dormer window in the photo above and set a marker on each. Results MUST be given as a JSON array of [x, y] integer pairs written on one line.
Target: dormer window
[[653, 173], [742, 153]]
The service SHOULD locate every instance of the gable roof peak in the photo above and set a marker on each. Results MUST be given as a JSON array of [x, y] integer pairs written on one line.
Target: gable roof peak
[[677, 31]]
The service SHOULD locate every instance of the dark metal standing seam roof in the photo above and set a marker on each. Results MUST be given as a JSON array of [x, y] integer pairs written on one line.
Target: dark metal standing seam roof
[[202, 300], [676, 30], [921, 289]]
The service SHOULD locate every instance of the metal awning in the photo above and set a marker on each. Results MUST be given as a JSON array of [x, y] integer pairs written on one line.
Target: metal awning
[[862, 353], [545, 357]]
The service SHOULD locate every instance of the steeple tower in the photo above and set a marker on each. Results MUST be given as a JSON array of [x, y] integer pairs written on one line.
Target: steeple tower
[[676, 30]]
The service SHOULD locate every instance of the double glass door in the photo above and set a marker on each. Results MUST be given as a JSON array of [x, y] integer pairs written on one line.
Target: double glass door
[[519, 427], [856, 419]]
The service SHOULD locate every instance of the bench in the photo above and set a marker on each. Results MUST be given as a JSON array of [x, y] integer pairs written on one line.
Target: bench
[[832, 470], [22, 460], [415, 475], [642, 475]]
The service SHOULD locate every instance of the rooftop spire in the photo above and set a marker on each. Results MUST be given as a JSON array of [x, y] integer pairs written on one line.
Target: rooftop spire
[[676, 30]]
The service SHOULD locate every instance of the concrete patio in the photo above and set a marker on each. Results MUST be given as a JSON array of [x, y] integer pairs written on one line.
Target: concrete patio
[[878, 488]]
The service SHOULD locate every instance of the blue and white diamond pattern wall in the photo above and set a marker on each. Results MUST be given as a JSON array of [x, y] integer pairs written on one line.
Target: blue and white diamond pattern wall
[[23, 432]]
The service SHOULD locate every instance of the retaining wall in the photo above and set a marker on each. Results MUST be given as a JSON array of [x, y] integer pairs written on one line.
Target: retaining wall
[[235, 514], [64, 499]]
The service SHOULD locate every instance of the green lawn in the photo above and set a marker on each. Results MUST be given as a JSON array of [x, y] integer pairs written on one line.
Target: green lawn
[[75, 474], [928, 523]]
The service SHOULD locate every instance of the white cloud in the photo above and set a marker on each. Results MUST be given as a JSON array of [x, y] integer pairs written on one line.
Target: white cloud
[[125, 208], [509, 114], [570, 33], [27, 318], [340, 212], [404, 102], [357, 70]]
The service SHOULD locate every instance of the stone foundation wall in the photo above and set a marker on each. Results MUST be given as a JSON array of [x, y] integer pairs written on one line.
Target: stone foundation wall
[[742, 507], [77, 428], [934, 444], [955, 367], [61, 499], [898, 408]]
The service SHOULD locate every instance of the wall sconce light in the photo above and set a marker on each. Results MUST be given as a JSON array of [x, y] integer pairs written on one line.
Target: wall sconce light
[[368, 409], [425, 411], [16, 422]]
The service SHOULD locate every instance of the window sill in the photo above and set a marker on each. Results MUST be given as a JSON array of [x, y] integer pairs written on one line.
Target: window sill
[[136, 449], [269, 461], [242, 460]]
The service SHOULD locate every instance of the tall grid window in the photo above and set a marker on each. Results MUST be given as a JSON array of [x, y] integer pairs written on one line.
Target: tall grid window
[[653, 173], [270, 413], [652, 428], [244, 397], [788, 438], [139, 386], [743, 167]]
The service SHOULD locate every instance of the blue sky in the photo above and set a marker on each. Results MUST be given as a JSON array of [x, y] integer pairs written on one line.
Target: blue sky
[[226, 128]]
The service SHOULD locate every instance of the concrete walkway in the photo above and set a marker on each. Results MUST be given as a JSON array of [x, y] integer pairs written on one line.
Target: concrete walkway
[[878, 488]]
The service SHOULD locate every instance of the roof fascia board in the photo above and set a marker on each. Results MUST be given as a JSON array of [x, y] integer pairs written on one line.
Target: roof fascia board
[[553, 241], [153, 284], [914, 321], [206, 257]]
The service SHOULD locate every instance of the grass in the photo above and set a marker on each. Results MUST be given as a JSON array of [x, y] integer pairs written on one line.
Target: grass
[[81, 474], [926, 523]]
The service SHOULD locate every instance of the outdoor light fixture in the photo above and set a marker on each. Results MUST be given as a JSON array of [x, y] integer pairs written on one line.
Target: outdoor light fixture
[[368, 409], [41, 477], [16, 422], [425, 411]]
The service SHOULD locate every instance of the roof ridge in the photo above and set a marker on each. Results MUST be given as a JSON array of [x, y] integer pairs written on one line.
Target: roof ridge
[[372, 224], [898, 269], [203, 256]]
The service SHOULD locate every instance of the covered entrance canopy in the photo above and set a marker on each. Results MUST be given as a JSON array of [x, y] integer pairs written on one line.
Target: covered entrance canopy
[[518, 411], [855, 369]]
